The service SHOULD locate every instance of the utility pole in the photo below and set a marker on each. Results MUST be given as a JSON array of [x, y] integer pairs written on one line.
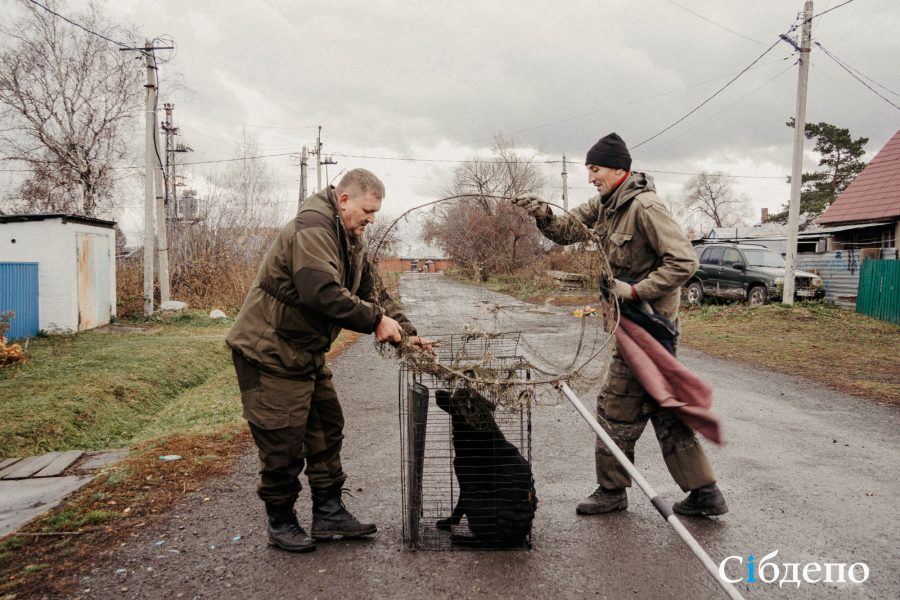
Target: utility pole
[[565, 177], [797, 166], [153, 187], [172, 210], [328, 161], [170, 131], [303, 159], [158, 177], [319, 160], [150, 125]]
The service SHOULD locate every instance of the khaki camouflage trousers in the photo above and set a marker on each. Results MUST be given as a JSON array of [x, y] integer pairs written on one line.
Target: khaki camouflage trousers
[[623, 409], [293, 422]]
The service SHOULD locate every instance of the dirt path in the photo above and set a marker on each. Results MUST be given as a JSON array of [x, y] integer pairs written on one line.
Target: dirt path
[[808, 472]]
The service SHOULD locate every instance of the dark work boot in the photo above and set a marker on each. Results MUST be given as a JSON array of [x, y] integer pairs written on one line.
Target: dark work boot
[[285, 532], [603, 501], [704, 501], [331, 518]]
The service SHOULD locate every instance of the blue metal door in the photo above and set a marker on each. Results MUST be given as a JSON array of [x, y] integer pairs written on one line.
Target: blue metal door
[[19, 294]]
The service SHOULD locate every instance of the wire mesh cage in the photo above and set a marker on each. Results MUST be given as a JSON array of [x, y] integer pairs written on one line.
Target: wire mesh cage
[[466, 447]]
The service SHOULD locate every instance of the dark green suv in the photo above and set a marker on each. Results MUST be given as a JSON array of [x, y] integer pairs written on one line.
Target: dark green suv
[[747, 272]]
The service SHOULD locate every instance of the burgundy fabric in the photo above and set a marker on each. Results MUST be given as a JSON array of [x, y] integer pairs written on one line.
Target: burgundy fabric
[[667, 380]]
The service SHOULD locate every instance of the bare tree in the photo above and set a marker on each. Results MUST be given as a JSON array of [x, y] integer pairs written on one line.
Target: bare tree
[[712, 197], [67, 99], [484, 231], [216, 255], [382, 238]]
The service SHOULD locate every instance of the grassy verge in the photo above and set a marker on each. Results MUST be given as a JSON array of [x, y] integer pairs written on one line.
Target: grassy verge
[[170, 391], [93, 391], [840, 348]]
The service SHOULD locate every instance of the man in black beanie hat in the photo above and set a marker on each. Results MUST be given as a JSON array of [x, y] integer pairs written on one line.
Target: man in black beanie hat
[[645, 246]]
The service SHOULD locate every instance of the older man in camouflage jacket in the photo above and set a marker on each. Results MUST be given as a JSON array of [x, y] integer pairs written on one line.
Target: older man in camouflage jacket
[[314, 281], [647, 247]]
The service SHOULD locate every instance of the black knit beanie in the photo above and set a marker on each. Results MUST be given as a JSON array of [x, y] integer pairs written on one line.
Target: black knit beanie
[[609, 151]]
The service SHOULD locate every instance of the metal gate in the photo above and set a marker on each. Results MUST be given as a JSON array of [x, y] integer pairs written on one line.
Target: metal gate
[[879, 290], [19, 294]]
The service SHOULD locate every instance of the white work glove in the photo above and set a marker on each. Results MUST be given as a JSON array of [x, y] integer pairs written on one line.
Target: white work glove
[[531, 204], [622, 290]]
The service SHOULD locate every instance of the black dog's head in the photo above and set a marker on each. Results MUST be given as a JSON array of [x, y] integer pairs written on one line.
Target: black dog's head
[[468, 407]]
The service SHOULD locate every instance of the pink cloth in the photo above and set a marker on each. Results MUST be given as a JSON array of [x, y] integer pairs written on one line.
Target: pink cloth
[[668, 381]]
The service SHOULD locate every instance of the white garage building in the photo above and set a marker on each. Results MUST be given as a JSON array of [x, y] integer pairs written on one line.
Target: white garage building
[[74, 288]]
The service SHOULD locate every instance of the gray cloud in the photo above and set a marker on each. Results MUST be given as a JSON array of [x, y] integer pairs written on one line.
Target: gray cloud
[[440, 80]]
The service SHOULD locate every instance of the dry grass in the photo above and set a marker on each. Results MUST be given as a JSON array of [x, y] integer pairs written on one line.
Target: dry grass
[[840, 348], [109, 511], [844, 350], [201, 423]]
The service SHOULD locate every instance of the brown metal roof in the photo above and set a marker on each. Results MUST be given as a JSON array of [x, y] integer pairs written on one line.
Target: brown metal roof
[[874, 194]]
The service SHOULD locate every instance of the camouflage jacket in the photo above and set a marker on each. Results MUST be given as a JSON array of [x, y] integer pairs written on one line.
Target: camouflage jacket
[[314, 281], [642, 241]]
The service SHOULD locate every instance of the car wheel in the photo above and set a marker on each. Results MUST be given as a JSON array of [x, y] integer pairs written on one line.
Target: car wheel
[[695, 292], [757, 295]]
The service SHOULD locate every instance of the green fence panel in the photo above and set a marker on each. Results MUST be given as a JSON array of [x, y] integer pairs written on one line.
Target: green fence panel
[[879, 290]]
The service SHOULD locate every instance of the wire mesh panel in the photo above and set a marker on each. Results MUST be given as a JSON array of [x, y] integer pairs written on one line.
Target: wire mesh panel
[[466, 447]]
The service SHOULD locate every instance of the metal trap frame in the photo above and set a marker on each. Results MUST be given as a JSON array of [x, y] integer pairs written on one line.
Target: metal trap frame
[[430, 488]]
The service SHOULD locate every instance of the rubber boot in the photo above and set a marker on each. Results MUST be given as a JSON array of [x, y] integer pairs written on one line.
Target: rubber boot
[[704, 501], [331, 518], [285, 532], [603, 501]]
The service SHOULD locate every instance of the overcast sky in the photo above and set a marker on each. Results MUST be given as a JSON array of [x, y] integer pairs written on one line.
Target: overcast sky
[[438, 80]]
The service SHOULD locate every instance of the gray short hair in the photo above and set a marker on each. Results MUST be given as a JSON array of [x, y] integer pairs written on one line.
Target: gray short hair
[[360, 181]]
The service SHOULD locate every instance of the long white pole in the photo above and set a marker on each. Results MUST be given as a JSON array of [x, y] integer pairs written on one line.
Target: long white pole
[[657, 502], [787, 296], [149, 197], [158, 179]]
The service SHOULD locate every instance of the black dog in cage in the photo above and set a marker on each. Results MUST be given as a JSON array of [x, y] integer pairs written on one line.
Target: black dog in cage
[[496, 487]]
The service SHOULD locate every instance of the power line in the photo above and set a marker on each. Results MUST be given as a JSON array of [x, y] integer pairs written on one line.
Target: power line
[[830, 9], [410, 159], [79, 25], [720, 26], [608, 108], [702, 104], [850, 70]]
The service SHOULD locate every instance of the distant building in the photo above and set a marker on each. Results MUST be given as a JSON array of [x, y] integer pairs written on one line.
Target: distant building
[[414, 265]]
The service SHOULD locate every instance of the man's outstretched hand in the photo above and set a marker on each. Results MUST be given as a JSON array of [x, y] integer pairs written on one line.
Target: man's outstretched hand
[[531, 204], [423, 344]]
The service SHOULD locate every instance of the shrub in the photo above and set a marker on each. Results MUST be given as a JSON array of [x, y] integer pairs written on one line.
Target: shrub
[[10, 354]]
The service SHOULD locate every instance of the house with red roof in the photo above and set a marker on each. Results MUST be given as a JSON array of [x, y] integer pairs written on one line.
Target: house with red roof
[[869, 209]]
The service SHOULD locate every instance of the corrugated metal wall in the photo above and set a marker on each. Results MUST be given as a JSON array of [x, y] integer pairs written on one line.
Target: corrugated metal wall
[[879, 290], [839, 269], [19, 293]]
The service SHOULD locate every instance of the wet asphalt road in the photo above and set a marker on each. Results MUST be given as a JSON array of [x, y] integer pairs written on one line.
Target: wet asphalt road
[[806, 471]]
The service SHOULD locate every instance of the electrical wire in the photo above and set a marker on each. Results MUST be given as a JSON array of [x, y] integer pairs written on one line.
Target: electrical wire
[[824, 12], [702, 104], [79, 25], [720, 26], [854, 75]]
